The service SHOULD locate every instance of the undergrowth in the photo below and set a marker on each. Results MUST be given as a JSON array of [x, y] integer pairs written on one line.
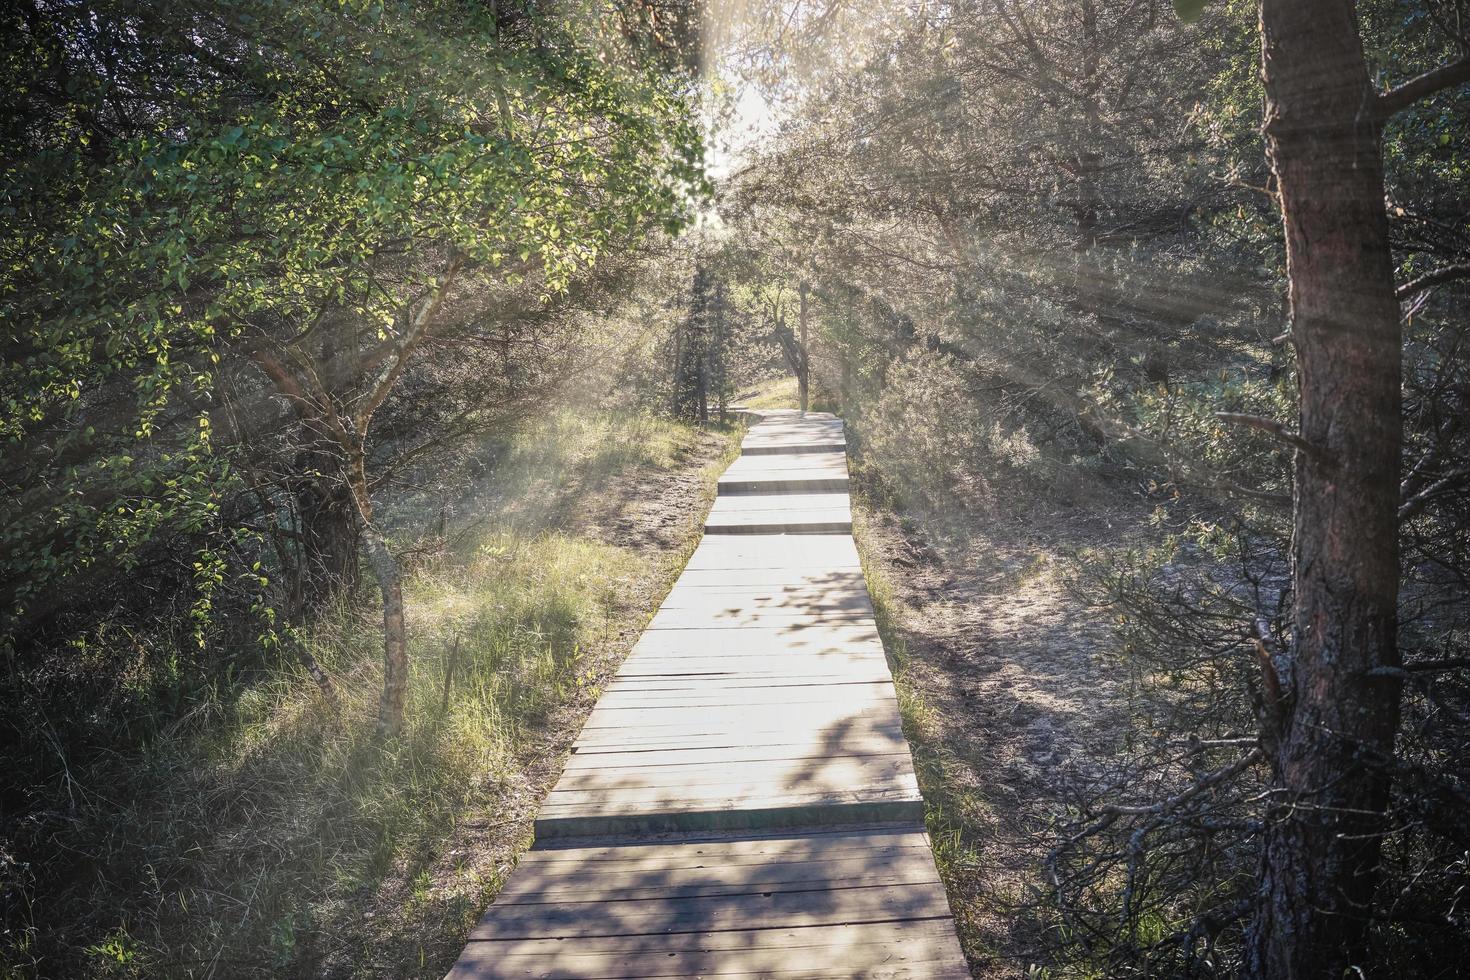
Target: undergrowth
[[257, 827]]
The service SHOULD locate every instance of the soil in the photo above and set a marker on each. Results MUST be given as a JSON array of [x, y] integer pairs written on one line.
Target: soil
[[1010, 700]]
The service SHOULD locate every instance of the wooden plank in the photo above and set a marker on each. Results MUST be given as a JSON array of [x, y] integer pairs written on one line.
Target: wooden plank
[[762, 641], [787, 618], [779, 661], [814, 752], [808, 522], [849, 594], [708, 685], [771, 729], [663, 674], [698, 852], [773, 578], [782, 483], [786, 513], [780, 503], [662, 778], [887, 742], [822, 553], [751, 695], [875, 734], [709, 913], [620, 886], [705, 719], [757, 699], [794, 810], [895, 948], [691, 659], [851, 779], [804, 445], [824, 464]]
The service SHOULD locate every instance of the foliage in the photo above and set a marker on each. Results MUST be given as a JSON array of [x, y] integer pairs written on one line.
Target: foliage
[[184, 183], [260, 823], [1046, 246]]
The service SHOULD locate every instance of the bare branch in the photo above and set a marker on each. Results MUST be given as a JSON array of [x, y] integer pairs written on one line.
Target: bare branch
[[1413, 505], [413, 334], [1400, 97], [1429, 280]]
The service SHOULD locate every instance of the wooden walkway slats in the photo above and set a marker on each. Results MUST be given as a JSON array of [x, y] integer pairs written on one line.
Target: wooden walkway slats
[[811, 472], [757, 710], [787, 513]]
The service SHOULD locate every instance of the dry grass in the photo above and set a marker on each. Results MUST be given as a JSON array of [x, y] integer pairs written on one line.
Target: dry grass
[[267, 832]]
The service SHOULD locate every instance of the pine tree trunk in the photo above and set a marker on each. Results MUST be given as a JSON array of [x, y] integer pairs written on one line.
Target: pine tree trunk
[[1319, 864]]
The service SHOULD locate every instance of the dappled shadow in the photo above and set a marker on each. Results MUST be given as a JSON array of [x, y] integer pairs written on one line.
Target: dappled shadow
[[1010, 700], [846, 902], [758, 698]]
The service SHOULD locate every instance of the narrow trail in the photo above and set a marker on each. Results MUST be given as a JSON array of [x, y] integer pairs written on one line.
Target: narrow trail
[[741, 801]]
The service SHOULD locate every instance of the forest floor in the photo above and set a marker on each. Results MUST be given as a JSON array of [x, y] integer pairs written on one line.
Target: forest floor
[[1008, 698]]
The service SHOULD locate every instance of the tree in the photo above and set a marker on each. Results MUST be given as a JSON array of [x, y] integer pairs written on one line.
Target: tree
[[695, 347], [219, 209], [1332, 699]]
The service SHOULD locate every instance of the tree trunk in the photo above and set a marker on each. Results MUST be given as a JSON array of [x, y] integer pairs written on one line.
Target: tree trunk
[[327, 527], [390, 583], [804, 374], [703, 382], [717, 372], [1319, 864]]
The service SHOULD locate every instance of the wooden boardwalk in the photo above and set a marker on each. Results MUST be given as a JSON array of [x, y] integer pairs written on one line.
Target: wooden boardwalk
[[741, 801]]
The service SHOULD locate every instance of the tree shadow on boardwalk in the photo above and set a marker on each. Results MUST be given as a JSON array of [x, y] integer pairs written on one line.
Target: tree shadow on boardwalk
[[838, 902]]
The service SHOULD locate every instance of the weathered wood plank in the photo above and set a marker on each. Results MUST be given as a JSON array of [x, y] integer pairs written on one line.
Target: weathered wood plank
[[698, 852], [762, 641], [787, 513], [889, 745], [708, 913], [698, 784], [678, 675], [778, 617], [850, 695], [821, 553], [817, 472], [696, 719], [791, 810], [892, 949], [874, 735], [682, 759], [770, 728], [757, 699], [799, 587]]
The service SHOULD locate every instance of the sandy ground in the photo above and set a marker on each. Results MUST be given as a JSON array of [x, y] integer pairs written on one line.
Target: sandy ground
[[1007, 697]]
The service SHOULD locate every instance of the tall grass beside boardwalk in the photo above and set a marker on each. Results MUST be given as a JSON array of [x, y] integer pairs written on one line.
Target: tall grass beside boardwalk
[[264, 831]]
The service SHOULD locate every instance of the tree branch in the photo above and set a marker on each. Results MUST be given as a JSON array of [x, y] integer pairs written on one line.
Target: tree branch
[[1413, 505], [413, 334], [1272, 427], [1400, 97], [1449, 273]]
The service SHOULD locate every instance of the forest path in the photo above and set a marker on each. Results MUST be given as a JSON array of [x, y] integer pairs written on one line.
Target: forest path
[[741, 801]]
